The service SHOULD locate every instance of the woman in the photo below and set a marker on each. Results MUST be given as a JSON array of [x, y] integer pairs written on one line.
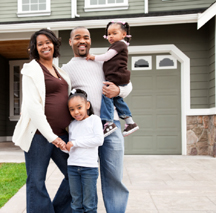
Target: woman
[[41, 128]]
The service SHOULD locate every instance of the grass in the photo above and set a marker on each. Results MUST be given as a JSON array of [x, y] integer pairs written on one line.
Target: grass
[[12, 178]]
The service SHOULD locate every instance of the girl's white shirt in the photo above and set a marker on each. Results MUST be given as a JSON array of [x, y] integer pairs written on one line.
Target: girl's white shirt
[[86, 136]]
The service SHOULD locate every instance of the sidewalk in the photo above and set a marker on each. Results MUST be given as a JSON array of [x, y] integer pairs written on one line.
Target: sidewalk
[[157, 184]]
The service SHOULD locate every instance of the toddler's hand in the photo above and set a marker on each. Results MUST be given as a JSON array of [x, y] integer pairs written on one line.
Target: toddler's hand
[[90, 57], [69, 145]]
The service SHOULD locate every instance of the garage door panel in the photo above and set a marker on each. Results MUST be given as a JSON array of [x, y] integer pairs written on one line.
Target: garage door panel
[[167, 101], [142, 84], [167, 82], [167, 142], [146, 121], [142, 102], [167, 121], [142, 144]]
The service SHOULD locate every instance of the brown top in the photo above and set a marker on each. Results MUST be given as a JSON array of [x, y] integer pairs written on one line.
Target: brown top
[[56, 107], [115, 70]]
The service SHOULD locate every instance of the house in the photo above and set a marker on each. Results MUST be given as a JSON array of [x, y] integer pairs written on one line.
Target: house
[[171, 58]]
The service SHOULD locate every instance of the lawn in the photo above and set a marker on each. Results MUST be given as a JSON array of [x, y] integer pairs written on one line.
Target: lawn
[[12, 178]]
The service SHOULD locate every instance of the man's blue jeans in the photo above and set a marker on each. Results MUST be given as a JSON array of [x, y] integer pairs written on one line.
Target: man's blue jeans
[[107, 108], [111, 154], [37, 160], [83, 188]]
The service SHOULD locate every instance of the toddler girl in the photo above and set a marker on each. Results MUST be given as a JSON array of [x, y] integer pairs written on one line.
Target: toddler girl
[[115, 70]]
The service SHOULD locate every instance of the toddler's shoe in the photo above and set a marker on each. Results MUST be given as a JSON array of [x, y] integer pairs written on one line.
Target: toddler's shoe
[[109, 128], [129, 129]]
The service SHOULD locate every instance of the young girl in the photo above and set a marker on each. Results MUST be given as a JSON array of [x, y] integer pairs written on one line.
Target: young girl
[[85, 135], [115, 70]]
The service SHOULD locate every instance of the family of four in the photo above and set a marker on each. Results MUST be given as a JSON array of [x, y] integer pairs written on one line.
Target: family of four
[[81, 96]]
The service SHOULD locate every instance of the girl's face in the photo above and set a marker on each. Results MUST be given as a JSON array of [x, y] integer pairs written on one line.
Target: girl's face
[[45, 47], [115, 33], [78, 107]]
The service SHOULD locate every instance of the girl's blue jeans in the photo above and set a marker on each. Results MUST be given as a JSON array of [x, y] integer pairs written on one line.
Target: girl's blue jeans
[[83, 188], [107, 108], [37, 160]]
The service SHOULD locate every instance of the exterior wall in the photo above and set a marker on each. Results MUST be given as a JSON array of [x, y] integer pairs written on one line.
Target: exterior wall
[[59, 10], [159, 5], [201, 135], [62, 9], [4, 96], [212, 63], [194, 43], [135, 7]]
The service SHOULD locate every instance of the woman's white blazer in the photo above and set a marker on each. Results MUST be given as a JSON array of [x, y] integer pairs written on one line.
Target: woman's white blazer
[[33, 106]]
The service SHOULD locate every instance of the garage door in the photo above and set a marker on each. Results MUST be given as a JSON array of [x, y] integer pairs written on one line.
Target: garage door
[[155, 103]]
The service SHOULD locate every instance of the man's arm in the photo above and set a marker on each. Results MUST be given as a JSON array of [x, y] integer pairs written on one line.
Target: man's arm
[[111, 90]]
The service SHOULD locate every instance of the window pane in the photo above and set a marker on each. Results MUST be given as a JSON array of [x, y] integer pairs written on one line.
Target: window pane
[[25, 8], [119, 1], [111, 1], [93, 2], [34, 7], [102, 2], [25, 1], [42, 6], [34, 1], [42, 1], [16, 84]]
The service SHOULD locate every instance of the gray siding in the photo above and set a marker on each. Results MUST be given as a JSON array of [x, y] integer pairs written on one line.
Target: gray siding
[[59, 10], [212, 63], [135, 7], [194, 43], [62, 9], [171, 5]]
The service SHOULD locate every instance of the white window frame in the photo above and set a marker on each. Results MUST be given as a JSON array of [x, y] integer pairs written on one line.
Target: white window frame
[[105, 7], [136, 58], [159, 58], [21, 13], [12, 64]]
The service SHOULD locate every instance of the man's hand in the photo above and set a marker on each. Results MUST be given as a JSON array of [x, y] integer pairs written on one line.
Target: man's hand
[[110, 90], [59, 143]]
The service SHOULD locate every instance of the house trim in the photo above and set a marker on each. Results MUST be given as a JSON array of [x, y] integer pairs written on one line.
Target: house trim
[[185, 77], [204, 17], [98, 23]]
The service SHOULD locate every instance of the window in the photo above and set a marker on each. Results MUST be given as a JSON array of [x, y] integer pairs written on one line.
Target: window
[[102, 5], [15, 89], [141, 63], [33, 8], [166, 62]]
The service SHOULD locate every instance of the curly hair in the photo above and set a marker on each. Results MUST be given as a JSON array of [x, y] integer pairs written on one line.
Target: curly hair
[[124, 26], [32, 49]]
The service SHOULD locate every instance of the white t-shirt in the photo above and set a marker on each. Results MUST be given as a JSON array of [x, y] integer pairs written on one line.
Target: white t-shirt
[[86, 136]]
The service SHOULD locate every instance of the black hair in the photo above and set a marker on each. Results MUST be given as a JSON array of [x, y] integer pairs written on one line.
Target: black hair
[[78, 27], [124, 26], [82, 94], [32, 49]]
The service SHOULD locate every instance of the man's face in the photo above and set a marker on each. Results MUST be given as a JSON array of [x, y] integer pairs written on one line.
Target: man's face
[[80, 42]]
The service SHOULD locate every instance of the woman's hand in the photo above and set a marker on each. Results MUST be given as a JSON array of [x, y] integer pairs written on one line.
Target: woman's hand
[[59, 143], [110, 90], [69, 145]]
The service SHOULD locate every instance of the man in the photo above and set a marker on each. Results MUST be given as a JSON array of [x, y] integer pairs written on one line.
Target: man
[[88, 76]]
